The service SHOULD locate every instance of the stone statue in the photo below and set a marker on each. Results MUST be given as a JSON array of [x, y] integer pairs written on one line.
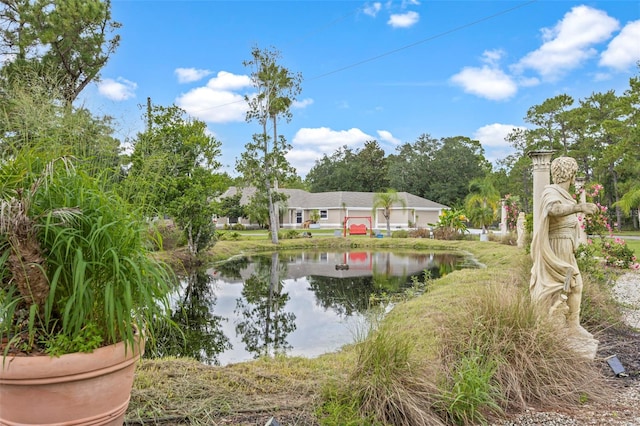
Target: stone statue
[[521, 228], [556, 282]]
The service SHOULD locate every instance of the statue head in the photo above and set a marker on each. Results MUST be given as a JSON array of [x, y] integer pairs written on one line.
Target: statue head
[[563, 169]]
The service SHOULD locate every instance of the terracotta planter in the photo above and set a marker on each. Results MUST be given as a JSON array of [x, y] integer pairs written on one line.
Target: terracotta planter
[[74, 389]]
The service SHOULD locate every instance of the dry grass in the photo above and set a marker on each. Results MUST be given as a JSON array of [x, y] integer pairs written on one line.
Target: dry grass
[[182, 391]]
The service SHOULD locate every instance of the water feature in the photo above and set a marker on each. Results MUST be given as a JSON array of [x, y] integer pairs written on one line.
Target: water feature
[[298, 303]]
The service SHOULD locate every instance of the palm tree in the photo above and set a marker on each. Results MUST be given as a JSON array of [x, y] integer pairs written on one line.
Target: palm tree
[[630, 200], [481, 203], [385, 201]]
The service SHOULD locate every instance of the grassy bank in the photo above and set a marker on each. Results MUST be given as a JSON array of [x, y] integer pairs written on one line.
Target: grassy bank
[[469, 349]]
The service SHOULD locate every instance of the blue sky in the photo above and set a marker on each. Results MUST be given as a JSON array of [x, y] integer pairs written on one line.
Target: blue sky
[[388, 71]]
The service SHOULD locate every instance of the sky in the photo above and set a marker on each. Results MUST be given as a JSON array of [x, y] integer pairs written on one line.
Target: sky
[[387, 71]]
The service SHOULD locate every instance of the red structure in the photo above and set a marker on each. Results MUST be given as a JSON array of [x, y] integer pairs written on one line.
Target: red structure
[[356, 229]]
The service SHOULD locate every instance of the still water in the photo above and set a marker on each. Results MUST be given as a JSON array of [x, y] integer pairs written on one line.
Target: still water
[[302, 303]]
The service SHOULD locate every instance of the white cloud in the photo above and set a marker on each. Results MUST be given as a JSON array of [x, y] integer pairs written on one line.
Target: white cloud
[[386, 136], [624, 50], [213, 106], [486, 82], [372, 9], [567, 45], [492, 57], [117, 90], [493, 140], [302, 160], [403, 20], [217, 102], [303, 103], [309, 144], [189, 75], [327, 140], [229, 81]]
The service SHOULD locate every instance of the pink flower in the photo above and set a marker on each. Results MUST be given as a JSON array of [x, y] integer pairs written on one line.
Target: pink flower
[[635, 266]]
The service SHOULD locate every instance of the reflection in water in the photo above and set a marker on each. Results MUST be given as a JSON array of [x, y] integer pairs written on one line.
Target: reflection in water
[[302, 303], [199, 333], [264, 324]]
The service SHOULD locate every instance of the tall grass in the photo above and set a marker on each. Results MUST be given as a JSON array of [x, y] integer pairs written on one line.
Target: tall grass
[[390, 387], [470, 350], [103, 286], [111, 277]]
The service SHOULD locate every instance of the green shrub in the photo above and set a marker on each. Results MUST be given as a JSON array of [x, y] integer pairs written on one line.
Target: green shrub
[[229, 236], [400, 233], [472, 390]]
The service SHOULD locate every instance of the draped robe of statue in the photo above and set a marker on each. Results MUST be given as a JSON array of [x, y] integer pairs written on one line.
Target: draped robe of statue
[[556, 283]]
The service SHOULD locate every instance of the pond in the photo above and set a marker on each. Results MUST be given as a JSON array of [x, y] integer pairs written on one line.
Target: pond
[[296, 303]]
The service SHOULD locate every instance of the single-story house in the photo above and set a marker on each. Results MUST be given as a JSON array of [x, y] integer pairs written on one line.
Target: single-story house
[[333, 207]]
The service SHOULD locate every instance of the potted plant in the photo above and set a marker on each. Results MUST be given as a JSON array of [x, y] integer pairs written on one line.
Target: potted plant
[[77, 294], [315, 217]]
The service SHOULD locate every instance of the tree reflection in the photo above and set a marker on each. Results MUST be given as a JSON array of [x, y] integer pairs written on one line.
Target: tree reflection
[[265, 325], [199, 334], [232, 268], [345, 296]]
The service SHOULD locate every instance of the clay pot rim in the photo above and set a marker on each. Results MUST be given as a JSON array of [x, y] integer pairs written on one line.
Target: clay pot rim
[[44, 367]]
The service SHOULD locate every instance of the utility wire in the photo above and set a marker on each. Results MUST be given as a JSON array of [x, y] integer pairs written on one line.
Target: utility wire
[[408, 46], [442, 34]]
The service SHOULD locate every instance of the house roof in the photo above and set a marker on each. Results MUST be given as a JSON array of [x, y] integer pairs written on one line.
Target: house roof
[[301, 199]]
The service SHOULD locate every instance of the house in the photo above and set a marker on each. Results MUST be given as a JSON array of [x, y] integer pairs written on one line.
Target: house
[[334, 207]]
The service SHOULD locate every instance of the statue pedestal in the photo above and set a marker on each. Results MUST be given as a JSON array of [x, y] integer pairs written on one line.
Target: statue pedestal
[[583, 346]]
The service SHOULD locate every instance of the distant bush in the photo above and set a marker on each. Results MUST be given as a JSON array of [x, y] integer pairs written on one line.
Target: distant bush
[[510, 238], [235, 227], [401, 233], [229, 236], [165, 235], [420, 233], [291, 234]]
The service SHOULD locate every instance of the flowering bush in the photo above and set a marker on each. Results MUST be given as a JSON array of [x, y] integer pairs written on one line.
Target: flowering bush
[[615, 253], [618, 254], [451, 224], [587, 256], [511, 207], [598, 223]]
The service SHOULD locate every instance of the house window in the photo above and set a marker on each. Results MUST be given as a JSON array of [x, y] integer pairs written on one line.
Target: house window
[[324, 214], [299, 216]]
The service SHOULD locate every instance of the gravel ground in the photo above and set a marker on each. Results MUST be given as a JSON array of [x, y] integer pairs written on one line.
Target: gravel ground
[[623, 408]]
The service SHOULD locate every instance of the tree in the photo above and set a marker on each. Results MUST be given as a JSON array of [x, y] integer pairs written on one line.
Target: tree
[[263, 164], [458, 161], [69, 41], [409, 169], [31, 117], [481, 204], [385, 201], [630, 200], [231, 207], [334, 173], [172, 172], [604, 118], [552, 124], [371, 168]]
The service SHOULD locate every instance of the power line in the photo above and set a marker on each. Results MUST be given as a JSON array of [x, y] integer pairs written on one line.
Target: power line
[[391, 52], [439, 35]]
